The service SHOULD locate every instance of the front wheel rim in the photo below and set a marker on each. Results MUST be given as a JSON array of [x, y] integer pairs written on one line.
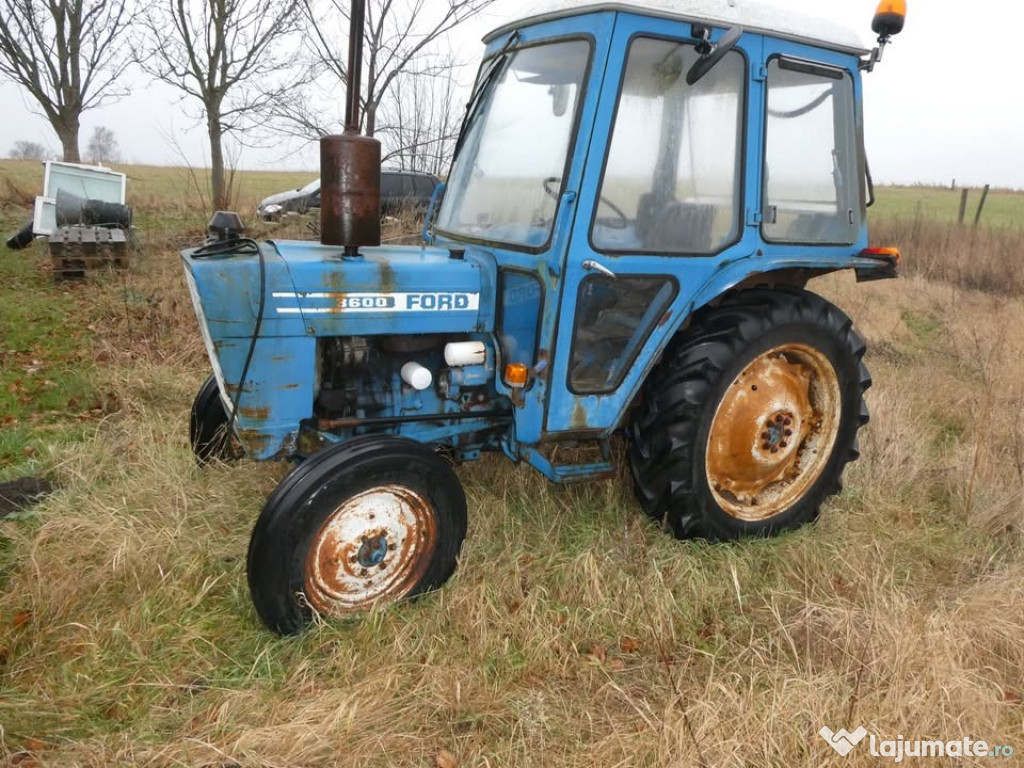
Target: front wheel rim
[[374, 547], [773, 432]]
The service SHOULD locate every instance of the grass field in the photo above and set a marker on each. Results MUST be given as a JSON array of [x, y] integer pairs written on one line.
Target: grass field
[[1003, 208], [574, 633]]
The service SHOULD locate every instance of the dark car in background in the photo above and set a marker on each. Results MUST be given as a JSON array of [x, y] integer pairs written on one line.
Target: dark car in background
[[399, 190]]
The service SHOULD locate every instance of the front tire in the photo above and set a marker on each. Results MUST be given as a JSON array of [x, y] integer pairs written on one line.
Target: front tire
[[746, 425], [370, 521], [208, 427]]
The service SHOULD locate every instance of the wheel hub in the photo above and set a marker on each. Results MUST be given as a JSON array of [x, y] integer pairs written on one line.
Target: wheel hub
[[373, 550], [773, 432], [375, 546]]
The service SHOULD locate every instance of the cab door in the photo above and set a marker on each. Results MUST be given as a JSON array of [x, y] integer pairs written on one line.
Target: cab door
[[667, 198]]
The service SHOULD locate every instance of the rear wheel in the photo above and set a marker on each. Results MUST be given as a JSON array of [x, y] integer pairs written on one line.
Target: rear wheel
[[747, 423], [208, 427], [370, 521]]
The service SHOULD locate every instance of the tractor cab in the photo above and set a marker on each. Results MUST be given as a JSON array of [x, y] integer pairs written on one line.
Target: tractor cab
[[625, 164], [639, 196]]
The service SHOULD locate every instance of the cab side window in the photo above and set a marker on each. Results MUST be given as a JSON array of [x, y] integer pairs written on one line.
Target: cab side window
[[813, 189]]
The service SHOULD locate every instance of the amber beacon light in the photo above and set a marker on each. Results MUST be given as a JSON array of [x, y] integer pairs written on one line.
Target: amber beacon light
[[889, 20], [890, 17]]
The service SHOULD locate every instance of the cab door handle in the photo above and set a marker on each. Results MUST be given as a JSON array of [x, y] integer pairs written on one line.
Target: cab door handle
[[593, 266]]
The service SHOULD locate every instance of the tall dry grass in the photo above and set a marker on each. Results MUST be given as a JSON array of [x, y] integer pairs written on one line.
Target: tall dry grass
[[574, 634], [983, 258]]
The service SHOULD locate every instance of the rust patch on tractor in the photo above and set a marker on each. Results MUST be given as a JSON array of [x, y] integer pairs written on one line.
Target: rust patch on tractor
[[578, 420], [375, 546], [281, 358], [543, 364], [289, 386], [259, 414], [254, 440], [336, 280], [387, 274], [665, 318]]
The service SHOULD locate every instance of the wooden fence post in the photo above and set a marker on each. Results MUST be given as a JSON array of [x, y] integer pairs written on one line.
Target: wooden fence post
[[963, 205], [981, 205]]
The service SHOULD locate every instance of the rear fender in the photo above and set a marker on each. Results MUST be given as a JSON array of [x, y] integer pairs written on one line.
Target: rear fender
[[745, 273]]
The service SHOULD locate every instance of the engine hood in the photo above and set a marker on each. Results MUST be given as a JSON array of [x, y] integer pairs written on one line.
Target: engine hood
[[309, 290]]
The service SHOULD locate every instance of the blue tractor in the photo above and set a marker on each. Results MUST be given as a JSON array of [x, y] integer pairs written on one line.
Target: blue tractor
[[638, 198]]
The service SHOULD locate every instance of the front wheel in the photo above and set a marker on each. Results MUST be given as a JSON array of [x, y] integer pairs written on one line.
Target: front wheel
[[370, 521], [745, 426], [208, 427]]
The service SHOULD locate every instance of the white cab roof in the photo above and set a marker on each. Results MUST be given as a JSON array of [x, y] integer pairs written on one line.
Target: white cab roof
[[752, 16]]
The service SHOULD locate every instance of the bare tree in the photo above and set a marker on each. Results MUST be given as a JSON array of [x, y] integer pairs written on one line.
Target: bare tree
[[28, 150], [102, 146], [422, 121], [229, 55], [401, 48], [68, 54]]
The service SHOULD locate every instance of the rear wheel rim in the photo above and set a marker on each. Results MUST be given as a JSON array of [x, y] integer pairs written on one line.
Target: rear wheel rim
[[374, 547], [773, 432]]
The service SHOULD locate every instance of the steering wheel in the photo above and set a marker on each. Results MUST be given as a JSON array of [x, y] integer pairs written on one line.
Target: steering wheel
[[706, 63], [622, 222]]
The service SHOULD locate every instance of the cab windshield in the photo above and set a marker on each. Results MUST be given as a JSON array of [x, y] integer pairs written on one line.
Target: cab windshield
[[507, 176]]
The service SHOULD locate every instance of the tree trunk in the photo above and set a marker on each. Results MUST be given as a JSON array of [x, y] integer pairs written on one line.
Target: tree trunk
[[221, 199], [67, 132], [371, 118]]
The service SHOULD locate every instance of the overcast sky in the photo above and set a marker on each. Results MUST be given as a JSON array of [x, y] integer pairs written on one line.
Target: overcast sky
[[944, 104]]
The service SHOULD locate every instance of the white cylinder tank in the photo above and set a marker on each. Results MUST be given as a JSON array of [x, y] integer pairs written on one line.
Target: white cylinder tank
[[416, 376], [461, 353]]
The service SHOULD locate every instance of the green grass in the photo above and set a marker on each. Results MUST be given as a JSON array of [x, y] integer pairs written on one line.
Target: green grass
[[1003, 208], [46, 345], [575, 633]]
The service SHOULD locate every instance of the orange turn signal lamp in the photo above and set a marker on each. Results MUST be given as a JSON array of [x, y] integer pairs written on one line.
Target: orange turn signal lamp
[[516, 374], [891, 254]]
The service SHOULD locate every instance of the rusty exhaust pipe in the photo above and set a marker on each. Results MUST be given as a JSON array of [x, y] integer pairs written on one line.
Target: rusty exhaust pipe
[[350, 164]]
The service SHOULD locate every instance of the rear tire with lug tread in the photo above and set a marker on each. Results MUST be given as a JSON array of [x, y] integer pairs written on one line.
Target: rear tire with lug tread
[[745, 426], [373, 520]]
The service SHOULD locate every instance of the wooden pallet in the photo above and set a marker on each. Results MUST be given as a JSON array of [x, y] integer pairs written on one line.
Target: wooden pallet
[[77, 250]]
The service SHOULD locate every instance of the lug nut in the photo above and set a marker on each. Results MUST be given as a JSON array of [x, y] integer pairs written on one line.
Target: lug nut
[[782, 444], [788, 432], [787, 422], [766, 436], [766, 446], [779, 419], [775, 450], [364, 572]]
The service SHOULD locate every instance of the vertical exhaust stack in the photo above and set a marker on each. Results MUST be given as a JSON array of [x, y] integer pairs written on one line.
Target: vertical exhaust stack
[[350, 164]]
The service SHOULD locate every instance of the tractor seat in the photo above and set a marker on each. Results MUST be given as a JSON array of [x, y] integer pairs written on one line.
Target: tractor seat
[[675, 227]]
